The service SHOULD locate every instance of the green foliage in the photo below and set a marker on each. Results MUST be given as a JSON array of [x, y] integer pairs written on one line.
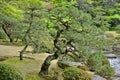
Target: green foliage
[[54, 74], [95, 61], [9, 12], [8, 72], [2, 34], [33, 76], [117, 28], [72, 73], [9, 18], [106, 71]]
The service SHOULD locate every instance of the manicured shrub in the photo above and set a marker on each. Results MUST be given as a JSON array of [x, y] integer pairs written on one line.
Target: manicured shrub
[[106, 71], [8, 72], [72, 73]]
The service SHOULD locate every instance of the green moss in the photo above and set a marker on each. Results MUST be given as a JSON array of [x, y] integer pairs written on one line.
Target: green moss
[[72, 73], [33, 76], [15, 60], [85, 68], [26, 65]]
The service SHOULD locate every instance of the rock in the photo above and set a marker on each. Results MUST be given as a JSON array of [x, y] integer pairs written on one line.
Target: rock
[[110, 55], [64, 64], [91, 49], [116, 48], [117, 74], [97, 77], [109, 50], [116, 78], [89, 72]]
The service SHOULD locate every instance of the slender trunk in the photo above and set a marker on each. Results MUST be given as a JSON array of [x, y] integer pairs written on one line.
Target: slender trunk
[[8, 35], [17, 39], [21, 53], [26, 34], [11, 40]]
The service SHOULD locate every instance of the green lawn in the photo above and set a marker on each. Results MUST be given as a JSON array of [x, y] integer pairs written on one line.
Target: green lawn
[[28, 67]]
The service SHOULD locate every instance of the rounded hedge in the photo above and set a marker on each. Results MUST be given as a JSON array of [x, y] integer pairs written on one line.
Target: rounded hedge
[[8, 72], [72, 73]]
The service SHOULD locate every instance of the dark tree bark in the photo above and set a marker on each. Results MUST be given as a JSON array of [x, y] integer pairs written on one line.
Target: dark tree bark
[[21, 52], [7, 33], [46, 64]]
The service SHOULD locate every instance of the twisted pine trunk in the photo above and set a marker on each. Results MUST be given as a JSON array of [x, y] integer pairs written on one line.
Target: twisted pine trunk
[[46, 64]]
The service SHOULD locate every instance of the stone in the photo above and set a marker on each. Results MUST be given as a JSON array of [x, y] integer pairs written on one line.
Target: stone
[[97, 77], [116, 78], [64, 64], [110, 55], [116, 48], [117, 74]]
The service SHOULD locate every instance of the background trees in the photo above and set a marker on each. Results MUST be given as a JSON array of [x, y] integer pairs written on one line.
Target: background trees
[[9, 19]]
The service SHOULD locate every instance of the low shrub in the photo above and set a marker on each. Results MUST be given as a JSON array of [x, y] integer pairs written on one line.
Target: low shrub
[[8, 72], [106, 71], [105, 61], [72, 73], [95, 61]]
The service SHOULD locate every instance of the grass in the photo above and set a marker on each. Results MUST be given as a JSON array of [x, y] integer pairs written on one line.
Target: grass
[[6, 42], [112, 34], [28, 67], [33, 76]]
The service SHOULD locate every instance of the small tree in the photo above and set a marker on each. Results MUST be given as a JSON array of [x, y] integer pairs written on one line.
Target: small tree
[[66, 22], [73, 29], [9, 19], [35, 32]]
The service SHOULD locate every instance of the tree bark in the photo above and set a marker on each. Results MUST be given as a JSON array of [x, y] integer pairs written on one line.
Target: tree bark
[[8, 35], [46, 64], [21, 52]]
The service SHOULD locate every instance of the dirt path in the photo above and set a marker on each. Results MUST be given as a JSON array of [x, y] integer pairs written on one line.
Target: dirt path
[[10, 51]]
